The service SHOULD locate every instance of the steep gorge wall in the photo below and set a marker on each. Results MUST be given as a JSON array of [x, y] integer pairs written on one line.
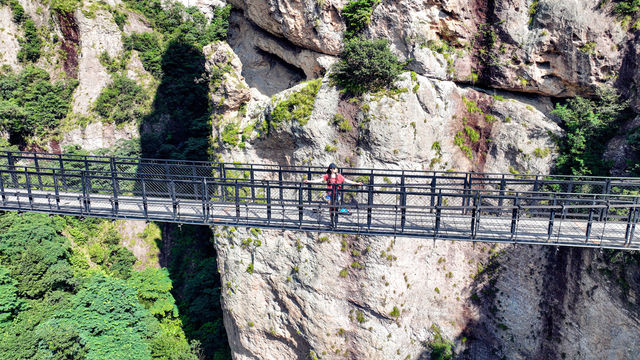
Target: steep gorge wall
[[299, 296]]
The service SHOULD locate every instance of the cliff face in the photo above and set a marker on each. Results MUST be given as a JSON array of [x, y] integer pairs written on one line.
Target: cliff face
[[492, 66], [293, 296]]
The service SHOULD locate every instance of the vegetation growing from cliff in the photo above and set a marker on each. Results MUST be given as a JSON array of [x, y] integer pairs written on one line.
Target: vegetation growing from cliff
[[298, 106], [32, 105], [366, 65], [357, 16], [589, 124], [121, 101]]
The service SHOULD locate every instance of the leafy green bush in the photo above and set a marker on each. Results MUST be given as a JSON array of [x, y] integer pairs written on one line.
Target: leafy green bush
[[589, 124], [31, 45], [121, 101], [357, 15], [18, 11], [627, 7], [30, 104], [65, 7], [150, 47], [366, 65], [441, 348]]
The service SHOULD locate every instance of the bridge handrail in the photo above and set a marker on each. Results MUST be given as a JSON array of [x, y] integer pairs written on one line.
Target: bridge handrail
[[106, 160]]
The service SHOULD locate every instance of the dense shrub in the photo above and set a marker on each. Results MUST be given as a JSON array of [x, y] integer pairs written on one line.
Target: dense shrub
[[589, 124], [30, 104], [366, 65], [121, 101], [357, 15], [31, 44]]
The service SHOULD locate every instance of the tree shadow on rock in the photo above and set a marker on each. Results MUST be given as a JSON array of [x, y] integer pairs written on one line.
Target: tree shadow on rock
[[179, 128]]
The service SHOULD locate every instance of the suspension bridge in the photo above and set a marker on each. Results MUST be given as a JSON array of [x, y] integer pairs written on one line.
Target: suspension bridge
[[600, 212]]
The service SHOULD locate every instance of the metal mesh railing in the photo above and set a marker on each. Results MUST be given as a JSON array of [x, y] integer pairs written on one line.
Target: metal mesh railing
[[537, 209]]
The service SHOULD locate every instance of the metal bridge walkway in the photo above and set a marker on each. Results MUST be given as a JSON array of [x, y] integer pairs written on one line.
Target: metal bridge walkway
[[507, 208]]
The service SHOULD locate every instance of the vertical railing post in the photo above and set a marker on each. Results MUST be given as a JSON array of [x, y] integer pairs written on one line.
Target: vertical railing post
[[64, 180], [589, 223], [115, 188], [253, 190], [205, 198], [370, 200], [467, 193], [433, 192], [514, 215], [268, 201], [12, 168], [4, 197], [631, 222], [309, 197], [552, 217], [174, 202], [145, 205], [37, 166], [503, 185], [237, 200], [29, 191], [56, 189], [403, 202], [281, 192], [300, 212], [474, 215], [83, 184], [438, 213]]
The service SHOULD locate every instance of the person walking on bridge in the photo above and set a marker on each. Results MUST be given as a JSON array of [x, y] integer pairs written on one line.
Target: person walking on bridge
[[334, 182]]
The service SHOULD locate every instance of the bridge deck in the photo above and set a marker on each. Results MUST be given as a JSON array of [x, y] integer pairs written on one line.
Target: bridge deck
[[317, 218], [527, 209]]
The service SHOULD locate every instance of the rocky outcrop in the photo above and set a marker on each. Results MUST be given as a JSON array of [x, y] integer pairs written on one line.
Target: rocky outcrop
[[293, 295], [99, 135], [228, 90], [9, 39], [97, 35], [310, 24]]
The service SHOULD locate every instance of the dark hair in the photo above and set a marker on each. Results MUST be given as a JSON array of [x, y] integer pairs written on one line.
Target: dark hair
[[331, 166]]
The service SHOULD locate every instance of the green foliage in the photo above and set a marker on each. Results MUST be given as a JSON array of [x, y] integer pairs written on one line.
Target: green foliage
[[589, 123], [30, 104], [192, 264], [108, 316], [154, 292], [121, 101], [357, 16], [65, 7], [31, 44], [150, 47], [366, 65], [175, 21], [473, 135], [231, 135], [35, 253], [298, 106], [441, 348], [10, 303], [626, 7], [18, 11]]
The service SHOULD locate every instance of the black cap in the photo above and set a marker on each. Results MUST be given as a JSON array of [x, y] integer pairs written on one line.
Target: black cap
[[332, 166]]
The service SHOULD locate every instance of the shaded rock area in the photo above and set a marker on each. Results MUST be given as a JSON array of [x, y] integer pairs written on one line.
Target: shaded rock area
[[264, 71]]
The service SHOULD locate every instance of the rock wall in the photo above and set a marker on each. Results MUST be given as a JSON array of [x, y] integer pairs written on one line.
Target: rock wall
[[294, 296]]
